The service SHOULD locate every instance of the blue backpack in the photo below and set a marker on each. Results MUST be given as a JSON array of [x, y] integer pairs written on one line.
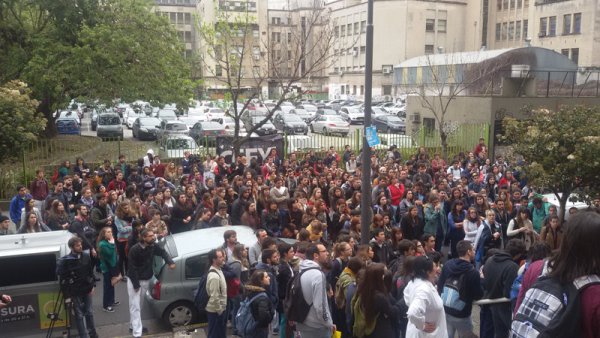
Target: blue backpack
[[244, 322]]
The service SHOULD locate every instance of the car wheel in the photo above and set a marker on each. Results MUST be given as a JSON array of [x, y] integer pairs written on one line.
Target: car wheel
[[324, 131], [344, 134], [180, 313]]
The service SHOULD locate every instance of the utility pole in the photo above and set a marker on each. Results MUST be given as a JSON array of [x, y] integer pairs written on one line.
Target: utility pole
[[366, 212]]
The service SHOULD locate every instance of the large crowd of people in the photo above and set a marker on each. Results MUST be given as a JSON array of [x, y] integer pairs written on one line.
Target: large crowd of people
[[433, 222]]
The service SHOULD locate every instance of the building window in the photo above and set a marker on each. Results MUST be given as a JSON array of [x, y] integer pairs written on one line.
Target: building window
[[518, 30], [575, 55], [504, 31], [428, 49], [218, 70], [576, 23], [362, 90], [498, 31], [349, 29], [512, 4], [363, 49], [543, 26], [387, 89], [441, 25], [505, 4], [519, 3], [499, 5], [356, 28], [187, 18], [363, 26], [276, 21], [525, 29], [552, 26], [255, 33], [343, 30], [511, 30], [567, 24], [526, 3], [336, 31], [289, 37], [565, 52], [429, 25], [276, 37]]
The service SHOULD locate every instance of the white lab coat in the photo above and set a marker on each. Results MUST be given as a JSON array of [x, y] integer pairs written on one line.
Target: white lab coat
[[424, 306]]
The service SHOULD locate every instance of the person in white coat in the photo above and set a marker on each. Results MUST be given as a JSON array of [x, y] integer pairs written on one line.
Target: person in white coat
[[426, 316]]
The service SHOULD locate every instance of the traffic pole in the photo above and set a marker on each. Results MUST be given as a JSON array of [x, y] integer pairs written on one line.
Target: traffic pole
[[366, 211]]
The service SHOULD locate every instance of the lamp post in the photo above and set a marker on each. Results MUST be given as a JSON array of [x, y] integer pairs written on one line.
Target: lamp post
[[366, 211]]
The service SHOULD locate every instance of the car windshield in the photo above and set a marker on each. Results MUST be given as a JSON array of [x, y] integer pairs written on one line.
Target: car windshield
[[216, 111], [180, 144], [211, 125], [394, 119], [176, 126], [258, 119], [354, 111], [328, 112], [167, 113], [335, 119], [291, 118], [301, 112], [228, 120], [108, 120], [377, 110], [149, 122]]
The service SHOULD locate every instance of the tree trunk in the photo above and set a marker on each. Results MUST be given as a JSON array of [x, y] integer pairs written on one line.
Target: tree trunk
[[444, 139], [45, 108], [563, 204]]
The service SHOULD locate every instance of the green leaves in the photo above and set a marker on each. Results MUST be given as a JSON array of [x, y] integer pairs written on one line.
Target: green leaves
[[558, 147], [19, 122]]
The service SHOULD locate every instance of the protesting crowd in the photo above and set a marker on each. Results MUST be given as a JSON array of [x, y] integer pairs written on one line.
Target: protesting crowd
[[443, 235]]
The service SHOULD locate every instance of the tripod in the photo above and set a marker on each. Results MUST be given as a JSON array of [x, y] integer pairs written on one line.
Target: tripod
[[54, 315]]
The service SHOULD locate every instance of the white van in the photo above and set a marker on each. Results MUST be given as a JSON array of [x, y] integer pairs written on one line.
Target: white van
[[28, 263]]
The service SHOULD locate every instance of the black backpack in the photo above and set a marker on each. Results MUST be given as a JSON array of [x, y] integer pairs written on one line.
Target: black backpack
[[453, 294], [295, 306], [201, 296], [550, 309]]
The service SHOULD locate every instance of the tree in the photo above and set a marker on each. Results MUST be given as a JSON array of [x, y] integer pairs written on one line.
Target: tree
[[243, 62], [560, 150], [445, 77], [94, 49], [19, 121]]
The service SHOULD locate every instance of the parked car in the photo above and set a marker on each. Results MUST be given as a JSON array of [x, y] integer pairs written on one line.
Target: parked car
[[308, 107], [170, 293], [120, 108], [290, 124], [214, 113], [174, 146], [286, 106], [377, 110], [109, 126], [67, 125], [305, 115], [144, 128], [352, 114], [69, 115], [171, 128], [266, 129], [189, 121], [398, 109], [326, 111], [335, 104], [389, 124], [132, 116], [166, 115], [207, 129], [229, 124], [330, 124]]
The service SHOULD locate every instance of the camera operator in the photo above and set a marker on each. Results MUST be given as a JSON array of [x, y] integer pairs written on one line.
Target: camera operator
[[77, 282]]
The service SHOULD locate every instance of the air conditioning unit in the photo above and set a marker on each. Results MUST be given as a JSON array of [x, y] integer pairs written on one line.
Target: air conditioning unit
[[386, 71], [355, 52], [256, 57], [416, 118]]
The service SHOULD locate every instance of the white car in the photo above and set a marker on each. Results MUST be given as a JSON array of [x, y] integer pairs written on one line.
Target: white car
[[189, 120], [286, 106], [377, 111], [311, 108], [229, 124], [305, 115], [131, 117], [214, 113], [397, 109], [330, 124], [174, 146], [352, 114]]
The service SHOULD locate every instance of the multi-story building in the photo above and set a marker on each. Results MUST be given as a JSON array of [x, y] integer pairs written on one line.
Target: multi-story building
[[402, 29], [570, 27]]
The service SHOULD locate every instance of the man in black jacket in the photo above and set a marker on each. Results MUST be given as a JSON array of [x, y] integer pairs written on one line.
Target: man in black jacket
[[77, 282], [139, 272], [461, 271], [499, 273], [82, 227]]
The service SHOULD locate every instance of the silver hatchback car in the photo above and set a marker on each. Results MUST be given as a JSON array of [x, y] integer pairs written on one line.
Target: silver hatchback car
[[170, 294]]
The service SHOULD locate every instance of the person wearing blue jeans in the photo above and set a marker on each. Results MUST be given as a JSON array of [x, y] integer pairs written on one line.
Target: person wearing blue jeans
[[84, 316]]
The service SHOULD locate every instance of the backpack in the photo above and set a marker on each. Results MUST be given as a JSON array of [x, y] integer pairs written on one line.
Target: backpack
[[201, 296], [453, 294], [516, 285], [244, 322], [295, 306], [550, 309]]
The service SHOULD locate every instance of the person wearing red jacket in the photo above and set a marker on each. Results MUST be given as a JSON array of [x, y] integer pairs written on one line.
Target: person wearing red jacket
[[117, 184], [396, 192]]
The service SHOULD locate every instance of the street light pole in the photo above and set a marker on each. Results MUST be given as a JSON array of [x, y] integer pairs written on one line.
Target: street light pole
[[366, 211]]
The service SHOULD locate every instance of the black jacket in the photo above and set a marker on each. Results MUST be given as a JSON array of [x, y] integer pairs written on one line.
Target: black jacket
[[261, 308], [84, 229], [472, 283], [499, 273], [76, 273], [140, 262], [285, 274]]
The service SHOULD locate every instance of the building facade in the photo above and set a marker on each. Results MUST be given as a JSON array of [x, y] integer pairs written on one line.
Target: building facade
[[570, 27]]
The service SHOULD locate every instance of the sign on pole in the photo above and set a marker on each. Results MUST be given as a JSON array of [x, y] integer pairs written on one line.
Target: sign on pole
[[372, 138]]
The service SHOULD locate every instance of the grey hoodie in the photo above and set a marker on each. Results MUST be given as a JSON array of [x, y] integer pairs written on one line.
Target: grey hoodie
[[314, 290]]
